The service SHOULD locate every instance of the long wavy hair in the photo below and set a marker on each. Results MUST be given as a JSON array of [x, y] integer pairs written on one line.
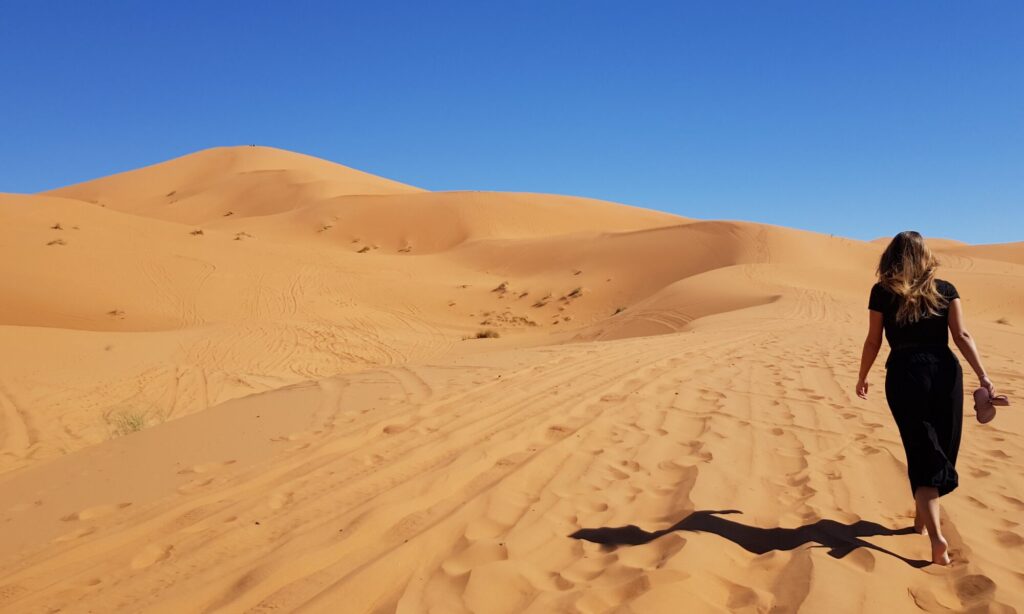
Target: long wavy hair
[[907, 269]]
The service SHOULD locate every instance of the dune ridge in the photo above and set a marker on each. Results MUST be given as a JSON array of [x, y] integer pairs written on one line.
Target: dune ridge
[[248, 379]]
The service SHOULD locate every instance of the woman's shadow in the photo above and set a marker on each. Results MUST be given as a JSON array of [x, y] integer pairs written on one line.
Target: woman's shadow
[[839, 538]]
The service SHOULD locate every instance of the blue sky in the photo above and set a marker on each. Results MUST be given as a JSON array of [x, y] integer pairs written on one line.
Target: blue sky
[[854, 118]]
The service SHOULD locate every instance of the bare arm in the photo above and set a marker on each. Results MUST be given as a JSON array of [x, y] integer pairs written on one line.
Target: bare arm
[[872, 344], [965, 341]]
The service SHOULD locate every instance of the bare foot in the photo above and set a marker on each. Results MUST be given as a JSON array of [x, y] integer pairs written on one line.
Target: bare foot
[[940, 551], [919, 527]]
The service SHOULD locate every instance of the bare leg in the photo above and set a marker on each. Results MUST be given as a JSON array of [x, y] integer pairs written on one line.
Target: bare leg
[[927, 498], [919, 526]]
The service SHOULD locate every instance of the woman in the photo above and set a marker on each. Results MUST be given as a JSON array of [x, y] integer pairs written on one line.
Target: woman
[[923, 378]]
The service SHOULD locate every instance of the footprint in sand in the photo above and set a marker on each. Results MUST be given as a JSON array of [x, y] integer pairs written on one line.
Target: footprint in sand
[[97, 511], [206, 467], [557, 431], [1014, 500], [194, 485], [974, 589], [153, 553], [74, 535], [279, 500], [21, 507], [1009, 539], [862, 559]]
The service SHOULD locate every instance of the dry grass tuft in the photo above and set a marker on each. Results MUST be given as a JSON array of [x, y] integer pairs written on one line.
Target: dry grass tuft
[[125, 422]]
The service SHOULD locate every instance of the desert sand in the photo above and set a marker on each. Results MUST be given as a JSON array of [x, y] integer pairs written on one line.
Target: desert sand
[[250, 380]]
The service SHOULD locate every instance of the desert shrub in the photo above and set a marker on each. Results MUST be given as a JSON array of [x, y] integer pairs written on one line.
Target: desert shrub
[[126, 422], [488, 333]]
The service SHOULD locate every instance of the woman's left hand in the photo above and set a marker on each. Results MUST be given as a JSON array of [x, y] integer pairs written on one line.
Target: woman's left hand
[[862, 389]]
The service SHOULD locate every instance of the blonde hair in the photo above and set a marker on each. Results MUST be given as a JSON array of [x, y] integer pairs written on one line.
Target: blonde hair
[[907, 269]]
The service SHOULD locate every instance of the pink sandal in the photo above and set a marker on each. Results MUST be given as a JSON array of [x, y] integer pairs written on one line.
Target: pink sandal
[[984, 404]]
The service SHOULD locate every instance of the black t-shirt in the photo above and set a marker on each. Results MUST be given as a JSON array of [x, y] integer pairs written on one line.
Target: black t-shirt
[[929, 330]]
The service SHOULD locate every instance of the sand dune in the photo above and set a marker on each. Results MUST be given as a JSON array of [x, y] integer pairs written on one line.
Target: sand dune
[[288, 410]]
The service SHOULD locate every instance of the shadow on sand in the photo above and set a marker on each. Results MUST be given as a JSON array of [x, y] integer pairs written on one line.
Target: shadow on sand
[[841, 539]]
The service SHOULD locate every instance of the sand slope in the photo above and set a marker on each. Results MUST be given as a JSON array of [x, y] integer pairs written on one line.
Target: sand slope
[[667, 420]]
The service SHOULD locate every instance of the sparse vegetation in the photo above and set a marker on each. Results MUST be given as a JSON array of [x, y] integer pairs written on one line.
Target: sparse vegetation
[[502, 287], [57, 226], [115, 313], [229, 213], [405, 249], [577, 272], [172, 193], [57, 242], [576, 293], [542, 300], [364, 249], [488, 333], [197, 232], [125, 422]]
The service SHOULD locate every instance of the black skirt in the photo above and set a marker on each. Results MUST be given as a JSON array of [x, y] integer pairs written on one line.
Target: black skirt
[[925, 391]]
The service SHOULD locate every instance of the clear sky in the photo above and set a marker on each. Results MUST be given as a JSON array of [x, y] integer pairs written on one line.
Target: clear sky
[[856, 118]]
